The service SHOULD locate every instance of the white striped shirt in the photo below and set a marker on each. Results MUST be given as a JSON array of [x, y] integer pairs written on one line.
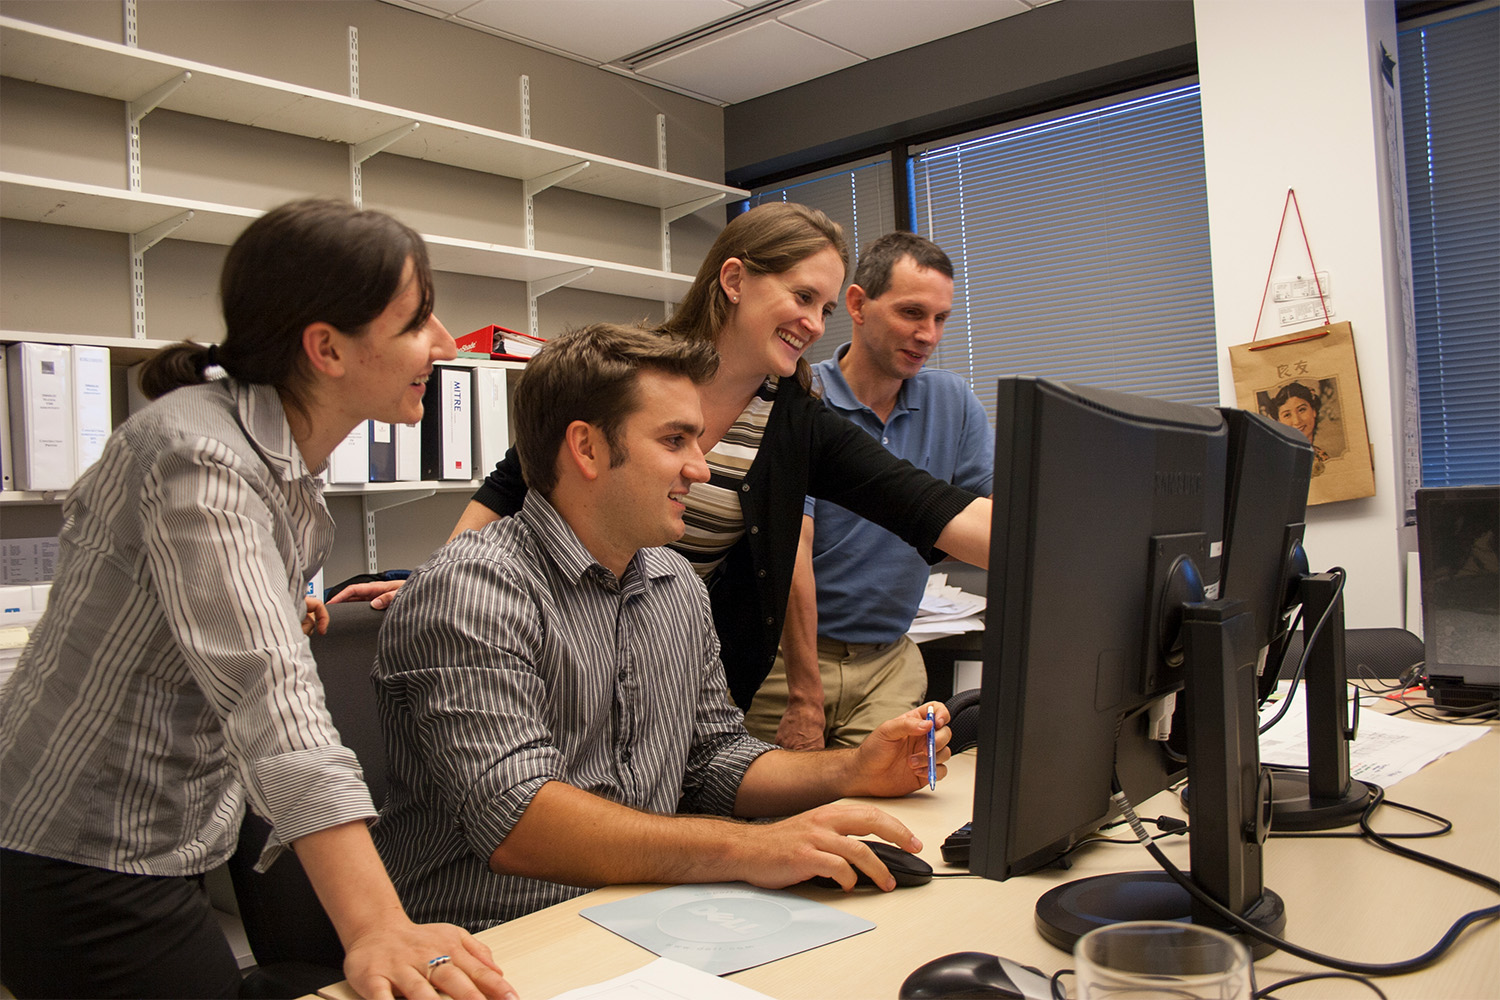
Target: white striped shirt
[[713, 521], [169, 678], [512, 658]]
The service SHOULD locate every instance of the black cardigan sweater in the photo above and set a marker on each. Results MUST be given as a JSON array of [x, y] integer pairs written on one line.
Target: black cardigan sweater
[[807, 449]]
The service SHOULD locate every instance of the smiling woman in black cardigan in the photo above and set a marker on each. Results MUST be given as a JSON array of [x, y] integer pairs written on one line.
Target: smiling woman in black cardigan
[[762, 295]]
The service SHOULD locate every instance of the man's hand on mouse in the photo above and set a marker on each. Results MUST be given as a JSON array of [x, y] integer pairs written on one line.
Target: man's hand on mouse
[[820, 842], [893, 759]]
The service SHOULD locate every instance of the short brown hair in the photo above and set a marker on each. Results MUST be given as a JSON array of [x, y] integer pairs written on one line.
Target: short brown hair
[[590, 375], [873, 272]]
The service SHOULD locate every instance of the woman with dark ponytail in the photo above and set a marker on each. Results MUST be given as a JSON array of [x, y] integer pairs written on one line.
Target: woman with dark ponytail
[[170, 684]]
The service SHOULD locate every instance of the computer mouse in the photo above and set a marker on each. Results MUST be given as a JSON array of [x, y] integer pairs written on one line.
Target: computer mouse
[[907, 869], [976, 974]]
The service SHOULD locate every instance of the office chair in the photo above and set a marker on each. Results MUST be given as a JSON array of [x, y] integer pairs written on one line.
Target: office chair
[[963, 712], [296, 948], [1384, 653]]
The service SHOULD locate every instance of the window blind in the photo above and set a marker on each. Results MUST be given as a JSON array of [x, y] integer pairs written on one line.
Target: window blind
[[1450, 96], [859, 198], [1080, 248]]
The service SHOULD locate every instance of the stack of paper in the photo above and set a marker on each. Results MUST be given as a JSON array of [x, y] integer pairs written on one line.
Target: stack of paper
[[945, 610]]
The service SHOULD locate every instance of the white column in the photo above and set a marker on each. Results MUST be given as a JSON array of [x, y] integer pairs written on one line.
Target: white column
[[1292, 98]]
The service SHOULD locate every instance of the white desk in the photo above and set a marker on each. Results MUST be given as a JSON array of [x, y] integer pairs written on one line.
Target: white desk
[[1343, 897]]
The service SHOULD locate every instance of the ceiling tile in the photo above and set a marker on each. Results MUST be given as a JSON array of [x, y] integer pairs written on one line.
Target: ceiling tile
[[747, 63], [873, 28], [598, 30]]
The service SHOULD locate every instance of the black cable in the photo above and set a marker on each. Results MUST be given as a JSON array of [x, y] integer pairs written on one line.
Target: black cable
[[1444, 825], [1266, 993], [1465, 715], [1343, 965], [1386, 842], [1307, 648]]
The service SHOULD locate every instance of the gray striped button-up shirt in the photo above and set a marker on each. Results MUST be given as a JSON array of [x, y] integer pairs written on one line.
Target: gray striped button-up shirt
[[512, 658], [169, 678]]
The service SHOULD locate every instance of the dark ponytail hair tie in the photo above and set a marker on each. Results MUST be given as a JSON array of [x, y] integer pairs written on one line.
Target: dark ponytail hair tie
[[211, 356]]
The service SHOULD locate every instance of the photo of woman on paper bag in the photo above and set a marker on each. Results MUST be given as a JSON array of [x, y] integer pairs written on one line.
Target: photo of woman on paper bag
[[1310, 380], [1312, 407]]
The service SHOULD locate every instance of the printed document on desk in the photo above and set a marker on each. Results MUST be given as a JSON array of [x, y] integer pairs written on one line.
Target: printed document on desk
[[663, 979], [1387, 749], [723, 927]]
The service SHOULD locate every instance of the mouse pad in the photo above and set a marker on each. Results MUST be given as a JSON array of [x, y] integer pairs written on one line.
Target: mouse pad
[[724, 927]]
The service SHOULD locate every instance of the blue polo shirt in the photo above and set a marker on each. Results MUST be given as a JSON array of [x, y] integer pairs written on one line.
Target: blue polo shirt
[[869, 581]]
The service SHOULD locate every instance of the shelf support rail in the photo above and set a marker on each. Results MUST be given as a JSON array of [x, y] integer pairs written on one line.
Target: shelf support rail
[[530, 188], [536, 289], [359, 152], [672, 213], [370, 503], [139, 243], [666, 223], [135, 111], [533, 186], [525, 106]]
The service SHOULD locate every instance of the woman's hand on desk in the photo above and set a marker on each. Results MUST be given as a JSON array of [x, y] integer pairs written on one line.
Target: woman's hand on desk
[[392, 959]]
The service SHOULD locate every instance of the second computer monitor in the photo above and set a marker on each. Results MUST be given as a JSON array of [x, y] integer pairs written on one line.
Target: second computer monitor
[[1108, 517]]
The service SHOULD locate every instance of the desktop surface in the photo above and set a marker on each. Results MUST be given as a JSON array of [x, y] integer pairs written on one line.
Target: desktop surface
[[1344, 897]]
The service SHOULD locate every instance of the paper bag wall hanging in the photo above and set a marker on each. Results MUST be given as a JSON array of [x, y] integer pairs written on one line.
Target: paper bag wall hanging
[[1310, 381]]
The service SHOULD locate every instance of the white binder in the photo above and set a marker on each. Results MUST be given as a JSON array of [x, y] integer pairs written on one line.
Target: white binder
[[408, 453], [41, 416], [91, 403], [491, 419], [350, 461], [7, 480]]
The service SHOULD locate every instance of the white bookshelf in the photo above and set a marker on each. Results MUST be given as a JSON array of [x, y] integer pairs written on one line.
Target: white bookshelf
[[92, 206], [107, 69]]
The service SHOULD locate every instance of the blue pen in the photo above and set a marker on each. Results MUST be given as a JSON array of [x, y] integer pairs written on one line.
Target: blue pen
[[931, 749]]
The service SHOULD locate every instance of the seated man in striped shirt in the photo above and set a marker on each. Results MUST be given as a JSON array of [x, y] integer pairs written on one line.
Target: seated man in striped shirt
[[555, 711]]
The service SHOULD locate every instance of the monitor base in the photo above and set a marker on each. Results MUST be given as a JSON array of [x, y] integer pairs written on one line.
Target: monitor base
[[1066, 913], [1293, 808]]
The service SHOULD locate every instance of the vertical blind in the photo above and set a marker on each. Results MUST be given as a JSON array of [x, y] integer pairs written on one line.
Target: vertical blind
[[861, 199], [1450, 96], [1080, 248]]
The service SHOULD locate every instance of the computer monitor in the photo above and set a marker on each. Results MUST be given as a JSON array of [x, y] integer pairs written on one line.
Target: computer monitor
[[1107, 537], [1457, 531], [1267, 478], [1269, 471]]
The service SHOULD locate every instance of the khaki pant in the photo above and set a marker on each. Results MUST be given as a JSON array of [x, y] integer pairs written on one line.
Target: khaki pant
[[864, 684]]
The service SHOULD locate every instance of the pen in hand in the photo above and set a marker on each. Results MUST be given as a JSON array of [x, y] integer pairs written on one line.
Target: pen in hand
[[932, 749]]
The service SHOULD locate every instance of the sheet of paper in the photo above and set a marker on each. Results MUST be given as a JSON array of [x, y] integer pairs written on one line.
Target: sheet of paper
[[1386, 749], [945, 610], [723, 927], [663, 979]]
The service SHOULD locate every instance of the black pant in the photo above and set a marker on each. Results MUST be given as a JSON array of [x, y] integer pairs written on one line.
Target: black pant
[[70, 930]]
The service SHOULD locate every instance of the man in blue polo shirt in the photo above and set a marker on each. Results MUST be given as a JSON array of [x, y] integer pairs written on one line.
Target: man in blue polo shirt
[[845, 663]]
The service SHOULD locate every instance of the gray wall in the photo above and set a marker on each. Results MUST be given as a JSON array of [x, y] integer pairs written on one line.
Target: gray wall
[[1061, 53], [76, 281]]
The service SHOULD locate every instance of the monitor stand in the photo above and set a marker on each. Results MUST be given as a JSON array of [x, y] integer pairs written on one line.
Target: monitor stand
[[1324, 797], [1229, 812]]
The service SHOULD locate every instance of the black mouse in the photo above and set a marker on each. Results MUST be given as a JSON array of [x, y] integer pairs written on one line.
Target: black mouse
[[906, 869], [975, 974]]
